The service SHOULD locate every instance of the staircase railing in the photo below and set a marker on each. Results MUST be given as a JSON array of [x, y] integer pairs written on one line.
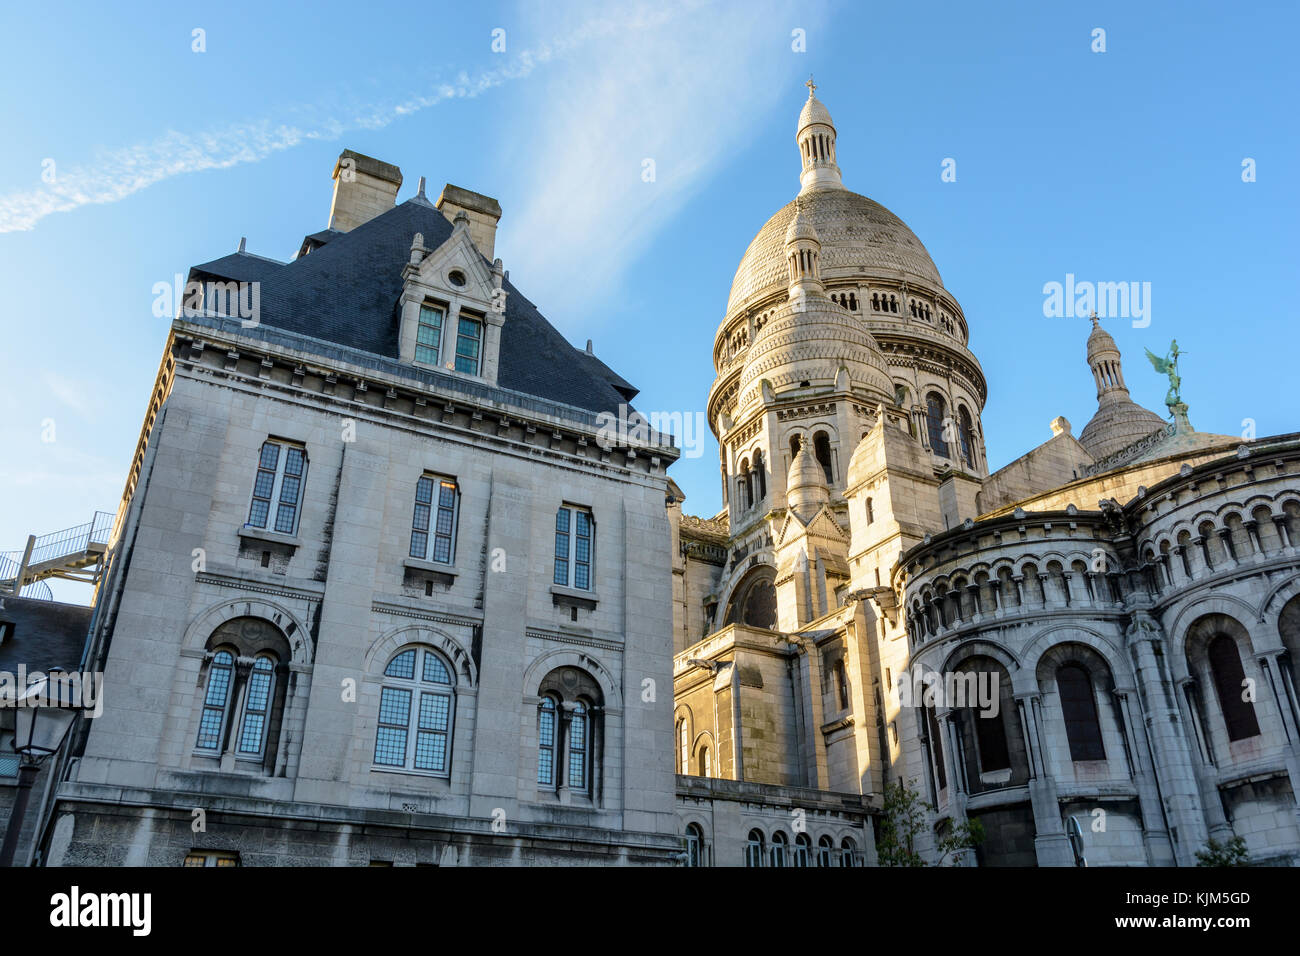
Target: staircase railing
[[49, 554]]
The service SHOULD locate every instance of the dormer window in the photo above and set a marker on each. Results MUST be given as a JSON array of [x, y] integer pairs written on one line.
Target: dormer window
[[469, 340], [428, 337]]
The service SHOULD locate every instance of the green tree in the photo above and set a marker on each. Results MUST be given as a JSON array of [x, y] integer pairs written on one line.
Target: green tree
[[904, 817], [1228, 853]]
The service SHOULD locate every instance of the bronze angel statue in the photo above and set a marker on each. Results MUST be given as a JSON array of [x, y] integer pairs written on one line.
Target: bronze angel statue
[[1168, 366]]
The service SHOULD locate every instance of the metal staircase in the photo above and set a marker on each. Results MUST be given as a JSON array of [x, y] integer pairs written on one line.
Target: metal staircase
[[76, 554]]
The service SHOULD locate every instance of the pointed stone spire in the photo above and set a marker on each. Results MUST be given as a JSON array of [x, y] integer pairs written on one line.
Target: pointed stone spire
[[805, 484], [816, 139]]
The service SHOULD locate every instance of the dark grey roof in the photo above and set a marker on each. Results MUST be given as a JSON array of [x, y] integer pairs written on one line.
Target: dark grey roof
[[42, 634], [346, 292]]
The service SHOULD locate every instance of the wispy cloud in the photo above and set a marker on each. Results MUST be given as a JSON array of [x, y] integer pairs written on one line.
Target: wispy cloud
[[683, 91], [114, 174], [70, 393]]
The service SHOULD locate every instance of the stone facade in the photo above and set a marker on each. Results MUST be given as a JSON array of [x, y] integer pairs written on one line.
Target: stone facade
[[329, 688], [1097, 640]]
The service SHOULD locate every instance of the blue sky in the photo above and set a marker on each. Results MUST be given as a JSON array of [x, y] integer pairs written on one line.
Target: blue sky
[[1117, 166]]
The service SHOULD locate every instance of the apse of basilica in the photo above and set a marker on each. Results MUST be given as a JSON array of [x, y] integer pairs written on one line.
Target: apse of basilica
[[1131, 594]]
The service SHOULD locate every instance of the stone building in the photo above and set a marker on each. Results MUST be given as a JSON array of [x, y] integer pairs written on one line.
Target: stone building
[[1100, 638], [379, 591]]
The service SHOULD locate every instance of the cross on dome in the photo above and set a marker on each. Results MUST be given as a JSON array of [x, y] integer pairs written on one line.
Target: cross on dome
[[812, 87]]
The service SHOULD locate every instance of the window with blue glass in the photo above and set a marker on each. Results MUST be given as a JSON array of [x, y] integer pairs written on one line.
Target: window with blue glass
[[257, 705], [416, 705], [216, 701], [428, 335], [433, 527], [575, 537], [277, 487], [469, 339]]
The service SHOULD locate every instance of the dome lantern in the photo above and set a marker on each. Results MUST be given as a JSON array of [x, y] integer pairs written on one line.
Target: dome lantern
[[816, 139], [803, 250]]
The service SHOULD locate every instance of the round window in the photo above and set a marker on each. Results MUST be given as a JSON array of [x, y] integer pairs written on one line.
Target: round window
[[456, 278]]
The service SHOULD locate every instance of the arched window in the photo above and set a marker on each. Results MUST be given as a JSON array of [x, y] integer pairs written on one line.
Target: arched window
[[1079, 707], [221, 674], [848, 852], [825, 851], [935, 412], [746, 485], [795, 441], [243, 702], [802, 850], [257, 707], [683, 747], [875, 302], [760, 475], [936, 747], [569, 741], [706, 765], [546, 734], [822, 449], [842, 684], [1229, 682], [416, 704], [754, 848], [694, 845], [967, 436], [780, 848]]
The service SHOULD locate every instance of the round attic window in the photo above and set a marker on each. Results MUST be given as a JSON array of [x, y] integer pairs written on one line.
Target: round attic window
[[456, 278]]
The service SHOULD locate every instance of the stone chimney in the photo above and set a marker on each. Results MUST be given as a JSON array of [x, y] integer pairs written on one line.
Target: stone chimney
[[484, 213], [364, 187]]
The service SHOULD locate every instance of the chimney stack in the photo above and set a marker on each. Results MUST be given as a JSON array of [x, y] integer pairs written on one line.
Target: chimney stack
[[484, 213], [364, 187]]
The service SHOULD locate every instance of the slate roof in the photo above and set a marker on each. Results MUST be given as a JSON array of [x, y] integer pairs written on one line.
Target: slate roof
[[44, 634], [346, 291]]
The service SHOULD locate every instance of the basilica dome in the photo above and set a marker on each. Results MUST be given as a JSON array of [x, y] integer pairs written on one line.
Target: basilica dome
[[858, 236]]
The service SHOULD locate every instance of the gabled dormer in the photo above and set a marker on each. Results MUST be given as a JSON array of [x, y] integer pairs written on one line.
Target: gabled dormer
[[453, 307]]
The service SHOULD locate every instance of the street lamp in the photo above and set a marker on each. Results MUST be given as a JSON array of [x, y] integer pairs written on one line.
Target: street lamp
[[40, 725]]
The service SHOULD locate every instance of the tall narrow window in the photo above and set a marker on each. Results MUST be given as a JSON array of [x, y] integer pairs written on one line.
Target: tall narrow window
[[433, 528], [991, 737], [281, 469], [683, 747], [754, 848], [842, 684], [575, 535], [221, 675], [802, 850], [936, 747], [578, 741], [694, 845], [935, 412], [415, 713], [760, 476], [469, 336], [966, 434], [428, 335], [822, 449], [1229, 682], [706, 766], [848, 853], [257, 704], [779, 849], [546, 727], [1079, 707], [824, 850]]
